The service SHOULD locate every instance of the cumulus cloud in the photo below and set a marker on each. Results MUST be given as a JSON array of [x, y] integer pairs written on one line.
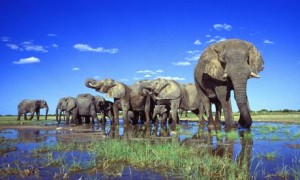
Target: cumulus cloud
[[268, 42], [148, 76], [197, 42], [223, 26], [172, 78], [29, 60], [55, 45], [86, 47], [75, 69], [182, 63], [29, 46]]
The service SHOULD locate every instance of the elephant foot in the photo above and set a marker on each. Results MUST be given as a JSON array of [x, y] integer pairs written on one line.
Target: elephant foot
[[244, 125], [211, 125], [229, 126]]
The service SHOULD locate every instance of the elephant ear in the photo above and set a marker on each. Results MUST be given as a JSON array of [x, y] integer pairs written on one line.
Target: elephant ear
[[71, 104], [212, 59], [255, 59], [170, 91], [117, 91]]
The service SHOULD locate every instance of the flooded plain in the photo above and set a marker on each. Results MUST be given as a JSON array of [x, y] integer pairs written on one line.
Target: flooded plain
[[271, 150]]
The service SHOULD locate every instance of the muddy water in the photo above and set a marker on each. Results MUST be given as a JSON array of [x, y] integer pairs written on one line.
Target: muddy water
[[272, 147]]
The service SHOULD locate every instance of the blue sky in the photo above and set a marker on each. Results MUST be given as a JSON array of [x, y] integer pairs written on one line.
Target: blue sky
[[49, 48]]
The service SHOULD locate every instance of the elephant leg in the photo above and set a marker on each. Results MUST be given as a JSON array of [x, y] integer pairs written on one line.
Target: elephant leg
[[148, 111], [25, 116], [111, 115], [19, 116], [31, 115], [218, 115], [224, 98], [38, 115], [116, 113], [103, 120], [174, 113]]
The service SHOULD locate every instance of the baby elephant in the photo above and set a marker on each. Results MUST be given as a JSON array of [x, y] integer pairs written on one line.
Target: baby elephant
[[32, 106], [163, 113]]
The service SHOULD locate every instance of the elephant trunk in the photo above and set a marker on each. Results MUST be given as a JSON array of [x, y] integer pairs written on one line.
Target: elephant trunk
[[90, 83], [241, 99], [56, 113], [47, 110]]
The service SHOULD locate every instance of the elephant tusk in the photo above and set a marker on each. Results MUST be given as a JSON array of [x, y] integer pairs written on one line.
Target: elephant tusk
[[254, 75], [225, 75], [90, 84]]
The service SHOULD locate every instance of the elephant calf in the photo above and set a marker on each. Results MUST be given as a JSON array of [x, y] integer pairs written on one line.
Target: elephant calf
[[32, 106]]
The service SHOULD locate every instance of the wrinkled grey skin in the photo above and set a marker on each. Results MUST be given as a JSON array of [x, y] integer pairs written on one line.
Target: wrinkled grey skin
[[163, 112], [105, 108], [82, 106], [87, 107], [32, 106], [69, 106], [175, 95], [223, 67], [126, 97]]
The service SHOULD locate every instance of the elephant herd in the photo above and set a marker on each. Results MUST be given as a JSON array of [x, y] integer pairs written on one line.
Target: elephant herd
[[222, 67]]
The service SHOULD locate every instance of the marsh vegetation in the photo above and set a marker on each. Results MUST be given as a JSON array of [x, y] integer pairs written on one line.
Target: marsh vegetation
[[42, 149]]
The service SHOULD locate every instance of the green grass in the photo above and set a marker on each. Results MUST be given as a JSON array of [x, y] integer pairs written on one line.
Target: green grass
[[169, 159]]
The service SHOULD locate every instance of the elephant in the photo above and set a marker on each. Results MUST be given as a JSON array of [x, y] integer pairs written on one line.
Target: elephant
[[163, 111], [175, 95], [226, 66], [32, 106], [105, 108], [126, 97], [83, 105]]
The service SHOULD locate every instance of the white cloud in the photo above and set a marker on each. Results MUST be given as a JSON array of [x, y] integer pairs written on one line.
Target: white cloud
[[96, 77], [148, 76], [197, 42], [223, 26], [86, 47], [29, 60], [193, 52], [5, 39], [182, 63], [55, 45], [208, 36], [75, 69], [222, 39], [172, 78], [211, 41], [193, 55], [150, 72], [13, 46], [52, 35], [29, 46], [124, 80], [268, 42]]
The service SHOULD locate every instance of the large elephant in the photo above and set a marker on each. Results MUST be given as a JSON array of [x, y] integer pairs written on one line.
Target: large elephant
[[226, 66], [32, 106], [127, 97], [68, 106]]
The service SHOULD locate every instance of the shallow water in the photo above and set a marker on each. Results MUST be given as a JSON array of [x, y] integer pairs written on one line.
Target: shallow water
[[283, 140]]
